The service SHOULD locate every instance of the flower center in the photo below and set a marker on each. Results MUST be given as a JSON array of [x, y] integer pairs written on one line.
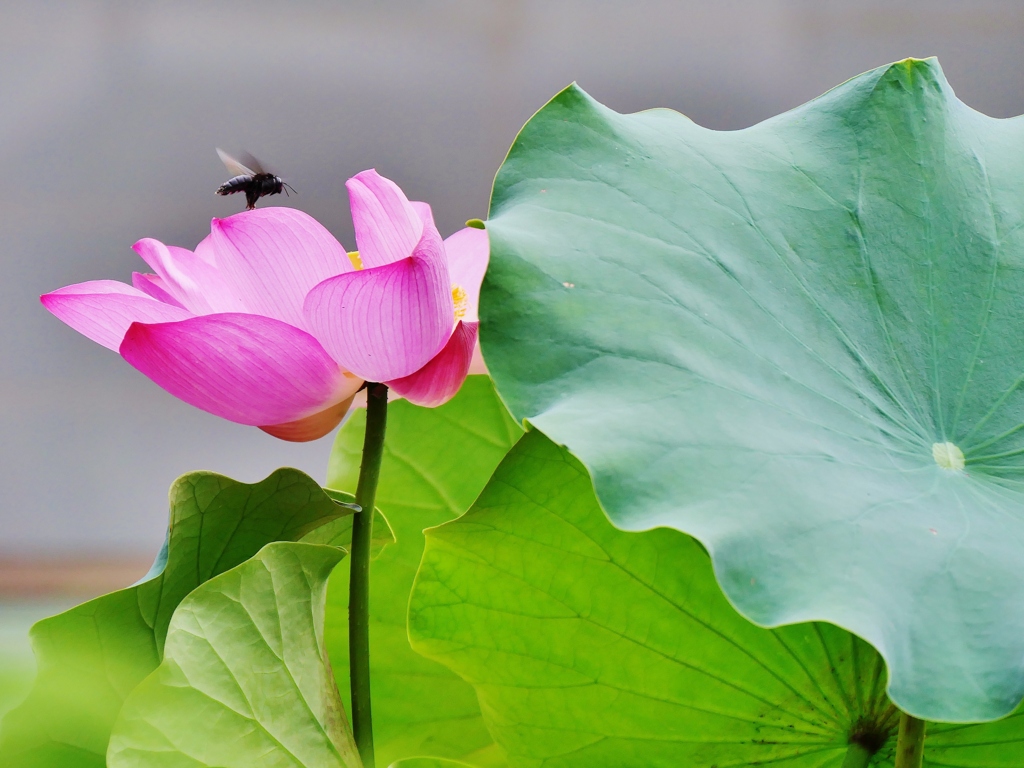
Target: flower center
[[948, 456], [357, 262], [459, 299]]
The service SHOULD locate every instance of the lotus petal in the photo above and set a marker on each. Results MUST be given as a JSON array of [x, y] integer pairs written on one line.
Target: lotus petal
[[311, 427], [468, 252], [245, 368], [386, 322], [273, 256], [387, 225], [191, 280], [103, 310], [439, 380], [154, 286]]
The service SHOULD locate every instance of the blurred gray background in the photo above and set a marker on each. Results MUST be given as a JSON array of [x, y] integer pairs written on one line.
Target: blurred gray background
[[110, 112]]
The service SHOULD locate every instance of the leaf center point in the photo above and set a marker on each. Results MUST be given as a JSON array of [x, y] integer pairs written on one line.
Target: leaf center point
[[948, 456]]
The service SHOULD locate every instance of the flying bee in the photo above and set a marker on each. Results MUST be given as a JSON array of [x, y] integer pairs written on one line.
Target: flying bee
[[250, 178]]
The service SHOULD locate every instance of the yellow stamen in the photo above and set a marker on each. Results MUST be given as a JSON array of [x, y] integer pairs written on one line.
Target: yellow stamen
[[459, 298], [353, 256]]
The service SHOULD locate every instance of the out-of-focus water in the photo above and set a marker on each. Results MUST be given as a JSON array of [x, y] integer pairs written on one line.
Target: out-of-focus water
[[17, 667]]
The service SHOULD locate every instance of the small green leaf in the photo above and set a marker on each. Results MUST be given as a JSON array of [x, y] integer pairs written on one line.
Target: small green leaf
[[92, 656], [800, 343], [436, 461], [245, 679], [590, 646]]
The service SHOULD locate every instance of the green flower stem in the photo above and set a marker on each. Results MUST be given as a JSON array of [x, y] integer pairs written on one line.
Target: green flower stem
[[910, 742], [359, 582], [857, 756]]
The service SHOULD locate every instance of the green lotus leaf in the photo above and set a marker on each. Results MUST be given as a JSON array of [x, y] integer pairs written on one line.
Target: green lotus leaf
[[436, 461], [245, 679], [800, 343], [592, 646], [92, 656]]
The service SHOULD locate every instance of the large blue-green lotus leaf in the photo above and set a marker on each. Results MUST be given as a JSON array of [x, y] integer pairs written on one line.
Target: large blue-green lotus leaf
[[245, 679], [436, 462], [92, 656], [591, 646], [803, 344]]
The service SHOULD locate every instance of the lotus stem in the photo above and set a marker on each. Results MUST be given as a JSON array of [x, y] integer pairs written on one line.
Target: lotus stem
[[359, 581], [857, 756], [910, 742]]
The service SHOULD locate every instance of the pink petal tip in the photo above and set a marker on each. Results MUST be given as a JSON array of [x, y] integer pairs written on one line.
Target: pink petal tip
[[103, 310], [387, 225]]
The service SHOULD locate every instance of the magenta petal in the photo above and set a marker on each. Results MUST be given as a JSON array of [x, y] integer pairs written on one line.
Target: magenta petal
[[438, 381], [387, 225], [205, 249], [468, 253], [245, 368], [192, 281], [386, 322], [154, 286], [424, 212], [273, 256], [104, 309]]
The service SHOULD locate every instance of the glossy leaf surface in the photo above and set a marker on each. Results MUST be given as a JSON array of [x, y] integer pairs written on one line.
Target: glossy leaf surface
[[780, 340], [92, 656], [593, 646], [436, 461], [245, 679]]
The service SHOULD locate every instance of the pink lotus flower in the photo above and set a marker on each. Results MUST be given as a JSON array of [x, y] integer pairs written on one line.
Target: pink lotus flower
[[223, 328]]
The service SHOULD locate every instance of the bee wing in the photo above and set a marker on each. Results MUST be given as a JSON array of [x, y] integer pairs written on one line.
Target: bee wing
[[253, 163], [234, 167]]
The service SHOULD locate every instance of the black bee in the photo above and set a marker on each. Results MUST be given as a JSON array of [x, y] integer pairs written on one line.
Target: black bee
[[250, 178]]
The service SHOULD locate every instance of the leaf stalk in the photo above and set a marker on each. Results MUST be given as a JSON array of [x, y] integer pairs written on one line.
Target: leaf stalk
[[359, 581], [910, 742], [857, 756]]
